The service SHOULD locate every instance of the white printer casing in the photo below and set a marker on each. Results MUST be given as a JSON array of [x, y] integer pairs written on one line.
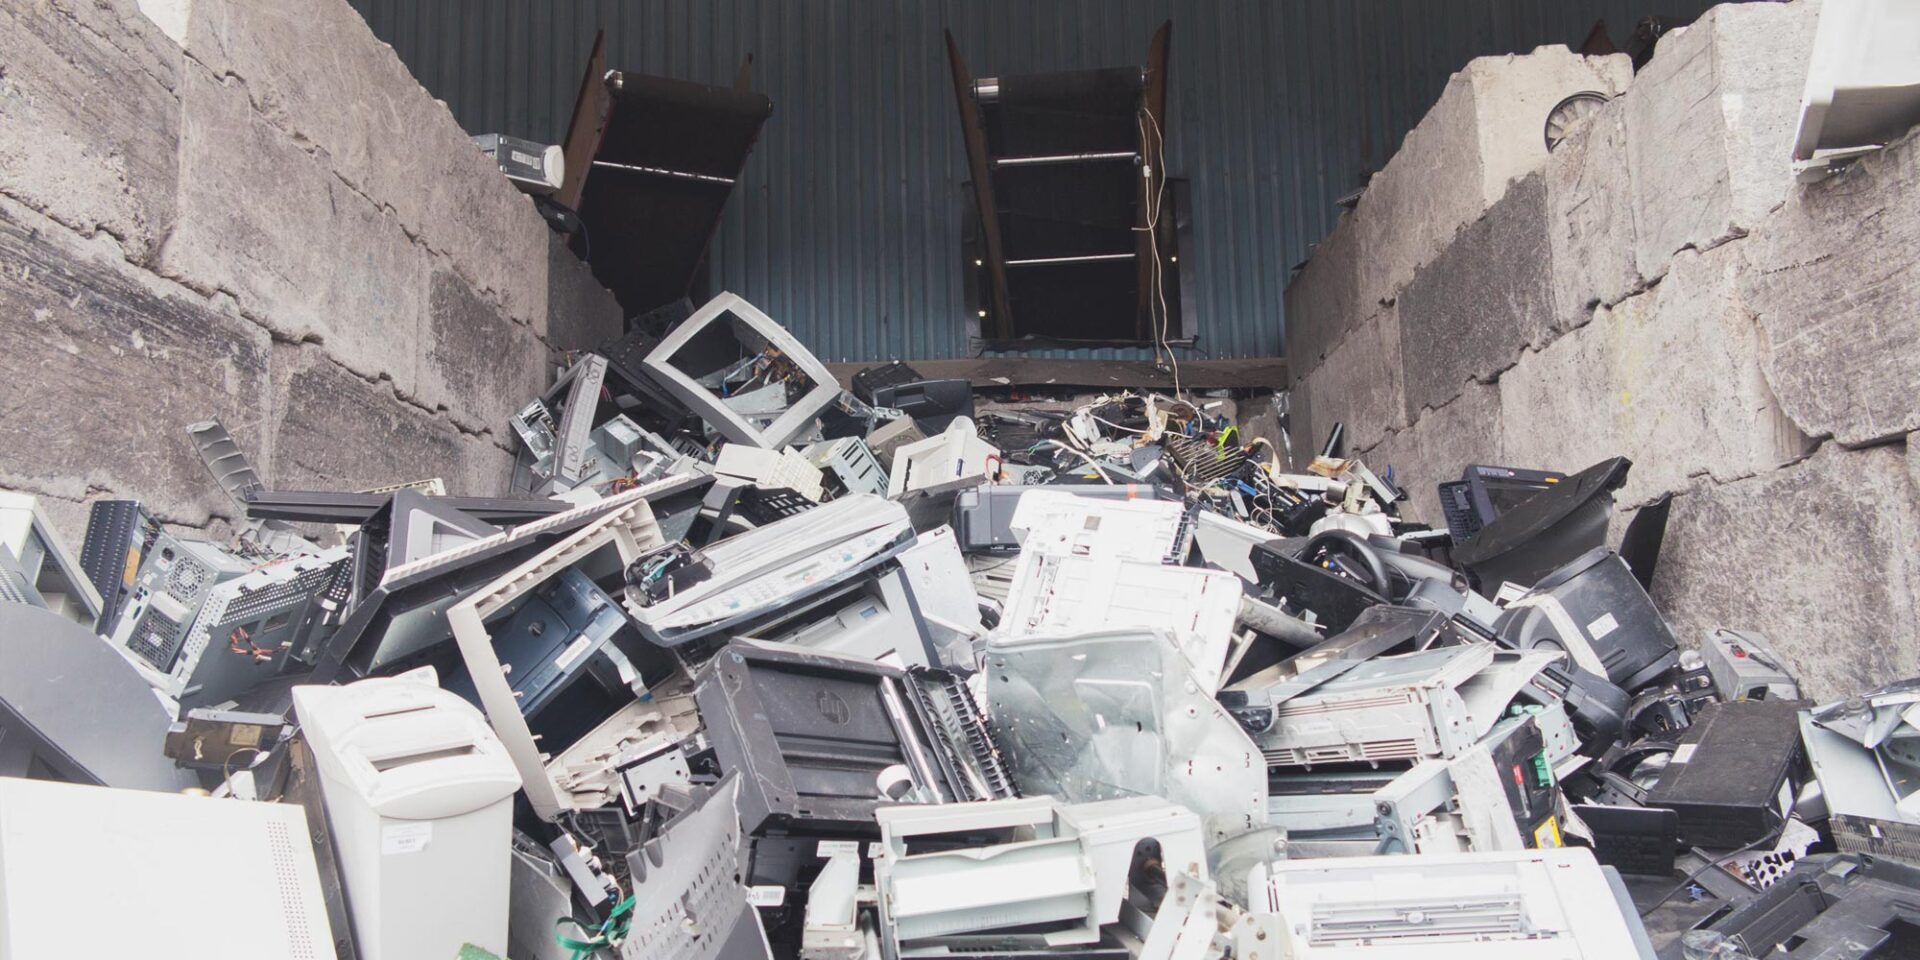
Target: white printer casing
[[419, 793]]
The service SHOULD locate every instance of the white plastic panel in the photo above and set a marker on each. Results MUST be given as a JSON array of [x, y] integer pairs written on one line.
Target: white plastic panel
[[164, 855], [1863, 81], [714, 410], [954, 459], [1055, 596], [1528, 905]]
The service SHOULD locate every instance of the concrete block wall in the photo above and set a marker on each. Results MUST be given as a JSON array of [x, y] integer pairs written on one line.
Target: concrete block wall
[[1659, 288], [249, 209]]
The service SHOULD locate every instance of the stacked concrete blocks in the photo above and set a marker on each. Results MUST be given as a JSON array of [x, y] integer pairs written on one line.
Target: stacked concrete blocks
[[1657, 288], [251, 210]]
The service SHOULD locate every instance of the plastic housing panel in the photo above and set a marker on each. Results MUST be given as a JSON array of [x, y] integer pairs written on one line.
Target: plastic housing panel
[[765, 569], [1068, 595], [1116, 714], [810, 733], [1391, 708], [1863, 81], [632, 532], [714, 410], [172, 850], [688, 900], [1527, 905]]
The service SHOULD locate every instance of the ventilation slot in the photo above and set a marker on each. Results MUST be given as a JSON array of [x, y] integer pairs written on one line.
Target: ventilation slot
[[293, 906]]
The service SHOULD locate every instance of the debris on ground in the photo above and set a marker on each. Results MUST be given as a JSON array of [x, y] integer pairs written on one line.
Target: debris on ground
[[744, 665]]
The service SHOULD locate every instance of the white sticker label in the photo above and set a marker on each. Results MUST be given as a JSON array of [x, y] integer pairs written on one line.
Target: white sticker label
[[874, 850], [835, 848], [1601, 627], [768, 896], [405, 837], [572, 652], [1683, 753]]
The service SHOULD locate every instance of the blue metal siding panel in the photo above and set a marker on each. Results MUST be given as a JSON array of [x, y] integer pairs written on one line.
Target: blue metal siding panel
[[846, 225]]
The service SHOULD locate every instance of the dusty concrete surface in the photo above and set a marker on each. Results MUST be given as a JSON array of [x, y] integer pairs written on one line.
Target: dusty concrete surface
[[1834, 281], [1819, 555], [1486, 297], [1709, 120], [1486, 131], [108, 364], [1359, 384], [1669, 378], [1466, 430], [250, 210], [90, 118], [1590, 218], [1327, 287], [1664, 291]]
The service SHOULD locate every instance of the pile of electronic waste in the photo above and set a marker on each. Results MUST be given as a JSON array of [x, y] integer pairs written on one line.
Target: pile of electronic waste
[[748, 666]]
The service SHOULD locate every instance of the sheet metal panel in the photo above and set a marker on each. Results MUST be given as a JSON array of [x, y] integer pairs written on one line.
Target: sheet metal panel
[[846, 225]]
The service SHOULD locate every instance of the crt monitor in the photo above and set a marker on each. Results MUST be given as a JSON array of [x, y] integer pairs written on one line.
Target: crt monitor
[[1484, 492]]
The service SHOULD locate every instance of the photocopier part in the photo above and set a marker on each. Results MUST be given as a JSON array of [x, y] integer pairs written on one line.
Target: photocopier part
[[1508, 905], [1729, 777], [1744, 667], [813, 735], [1595, 610], [41, 567], [419, 794], [168, 850], [553, 638], [983, 516]]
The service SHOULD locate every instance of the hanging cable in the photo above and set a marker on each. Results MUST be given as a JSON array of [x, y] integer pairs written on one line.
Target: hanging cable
[[1156, 201], [1091, 462]]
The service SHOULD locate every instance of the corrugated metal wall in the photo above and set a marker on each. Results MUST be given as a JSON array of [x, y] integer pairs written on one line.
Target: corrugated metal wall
[[846, 227]]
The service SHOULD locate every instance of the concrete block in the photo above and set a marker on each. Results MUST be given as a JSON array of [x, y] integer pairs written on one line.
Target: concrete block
[[1486, 130], [1590, 217], [106, 365], [1669, 378], [477, 365], [1323, 300], [300, 252], [1562, 400], [1836, 274], [1712, 364], [1489, 295], [89, 121], [315, 71], [581, 314], [335, 430], [1435, 449], [1710, 126], [1913, 462], [1818, 556], [1359, 384]]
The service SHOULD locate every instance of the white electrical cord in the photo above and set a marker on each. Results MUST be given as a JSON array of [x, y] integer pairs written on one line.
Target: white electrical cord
[[1156, 200], [1091, 462]]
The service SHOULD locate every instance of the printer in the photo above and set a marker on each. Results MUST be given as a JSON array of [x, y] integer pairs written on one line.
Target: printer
[[419, 793]]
